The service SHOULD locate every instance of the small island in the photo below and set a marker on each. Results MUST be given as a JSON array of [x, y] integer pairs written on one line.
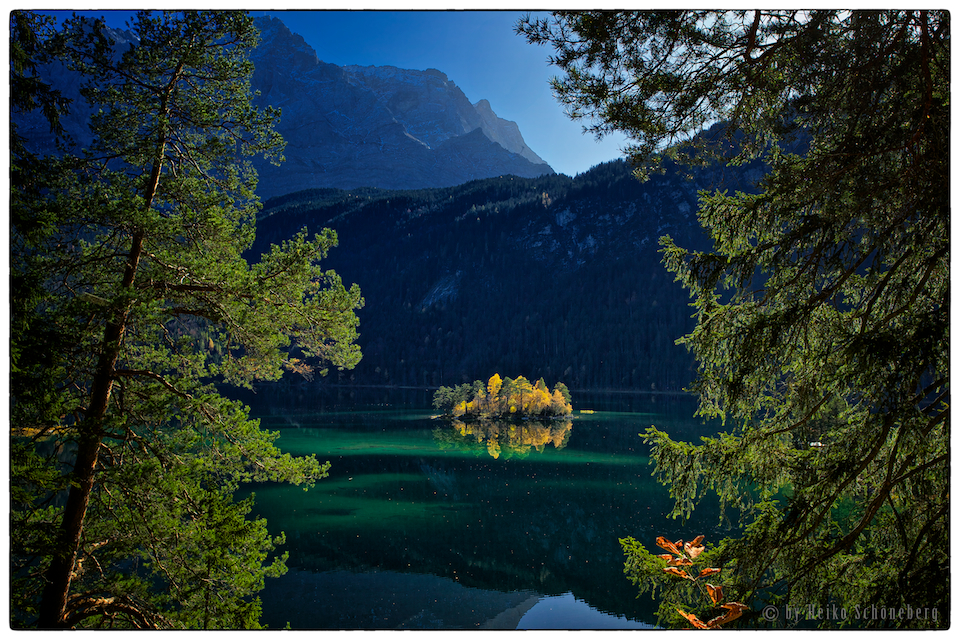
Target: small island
[[504, 398]]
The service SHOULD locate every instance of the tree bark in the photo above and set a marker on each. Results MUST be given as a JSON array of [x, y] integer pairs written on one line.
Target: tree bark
[[59, 575]]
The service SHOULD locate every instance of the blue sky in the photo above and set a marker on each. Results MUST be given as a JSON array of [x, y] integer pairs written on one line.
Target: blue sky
[[478, 50]]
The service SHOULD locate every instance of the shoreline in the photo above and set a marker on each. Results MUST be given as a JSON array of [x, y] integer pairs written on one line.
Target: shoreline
[[638, 392]]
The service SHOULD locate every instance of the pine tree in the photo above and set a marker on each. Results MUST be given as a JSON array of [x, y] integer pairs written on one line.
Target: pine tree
[[823, 308], [137, 267]]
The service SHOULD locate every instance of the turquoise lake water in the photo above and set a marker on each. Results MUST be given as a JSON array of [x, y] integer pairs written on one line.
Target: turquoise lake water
[[424, 523]]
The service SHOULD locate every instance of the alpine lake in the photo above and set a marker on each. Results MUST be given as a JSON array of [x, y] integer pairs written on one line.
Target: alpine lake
[[430, 523]]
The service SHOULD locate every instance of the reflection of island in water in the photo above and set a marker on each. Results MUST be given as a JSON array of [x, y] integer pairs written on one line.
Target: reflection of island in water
[[503, 438]]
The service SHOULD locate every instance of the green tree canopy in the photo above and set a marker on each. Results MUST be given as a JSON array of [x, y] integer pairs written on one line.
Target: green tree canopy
[[131, 299], [823, 310]]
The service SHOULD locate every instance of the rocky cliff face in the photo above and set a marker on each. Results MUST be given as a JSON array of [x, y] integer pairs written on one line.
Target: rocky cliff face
[[348, 127], [385, 127]]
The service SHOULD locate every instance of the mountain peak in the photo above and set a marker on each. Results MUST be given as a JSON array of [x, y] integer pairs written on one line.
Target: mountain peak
[[345, 127], [380, 126], [277, 39], [437, 72]]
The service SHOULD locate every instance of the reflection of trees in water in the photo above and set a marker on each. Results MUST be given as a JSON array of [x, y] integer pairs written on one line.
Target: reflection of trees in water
[[502, 438]]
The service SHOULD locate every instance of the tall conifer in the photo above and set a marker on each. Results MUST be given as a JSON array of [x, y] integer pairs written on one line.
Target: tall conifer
[[823, 310], [133, 299]]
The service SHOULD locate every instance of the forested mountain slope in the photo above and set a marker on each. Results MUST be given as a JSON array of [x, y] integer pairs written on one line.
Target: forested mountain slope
[[552, 277]]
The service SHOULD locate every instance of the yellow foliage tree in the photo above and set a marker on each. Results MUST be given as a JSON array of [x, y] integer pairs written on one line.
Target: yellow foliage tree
[[493, 385], [558, 404], [504, 396]]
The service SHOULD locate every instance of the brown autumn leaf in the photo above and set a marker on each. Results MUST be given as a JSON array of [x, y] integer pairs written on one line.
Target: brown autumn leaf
[[694, 620], [674, 548], [697, 541], [677, 572], [734, 611], [709, 571], [678, 562], [666, 556], [693, 550], [716, 592], [716, 623]]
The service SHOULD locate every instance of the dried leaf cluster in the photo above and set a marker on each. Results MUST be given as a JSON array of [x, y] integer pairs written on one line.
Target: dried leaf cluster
[[683, 554]]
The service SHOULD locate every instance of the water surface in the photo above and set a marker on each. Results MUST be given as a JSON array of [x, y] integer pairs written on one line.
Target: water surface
[[426, 523]]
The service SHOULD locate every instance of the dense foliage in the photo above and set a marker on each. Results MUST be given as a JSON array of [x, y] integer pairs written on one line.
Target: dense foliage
[[510, 274], [823, 308], [131, 300], [504, 397]]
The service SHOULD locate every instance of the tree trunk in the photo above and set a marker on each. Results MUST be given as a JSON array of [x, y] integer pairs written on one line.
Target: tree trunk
[[53, 604]]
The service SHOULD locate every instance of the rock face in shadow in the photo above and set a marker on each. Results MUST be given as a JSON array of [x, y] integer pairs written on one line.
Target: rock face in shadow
[[345, 127], [384, 127]]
